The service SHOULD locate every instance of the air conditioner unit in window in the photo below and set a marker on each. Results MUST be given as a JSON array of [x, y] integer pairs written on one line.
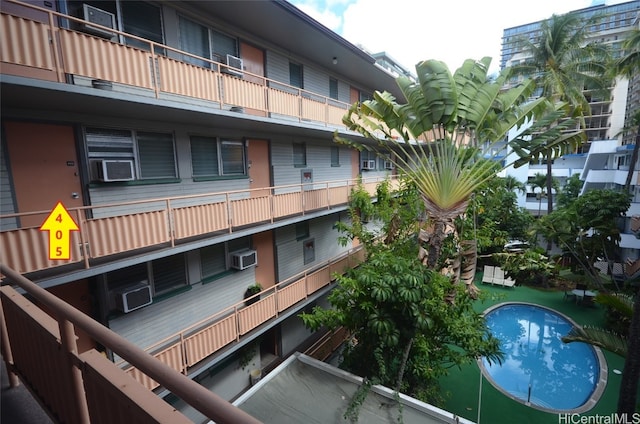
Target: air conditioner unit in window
[[134, 297], [388, 164], [368, 164], [100, 17], [243, 259], [235, 66], [114, 170]]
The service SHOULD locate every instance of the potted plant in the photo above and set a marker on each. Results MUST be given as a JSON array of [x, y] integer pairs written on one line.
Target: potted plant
[[252, 290]]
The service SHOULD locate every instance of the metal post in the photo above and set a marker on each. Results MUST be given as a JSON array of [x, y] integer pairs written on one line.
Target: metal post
[[7, 354], [68, 339]]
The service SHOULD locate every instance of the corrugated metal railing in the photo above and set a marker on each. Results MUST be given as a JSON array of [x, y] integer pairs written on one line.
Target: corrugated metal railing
[[191, 345], [31, 45], [86, 387], [165, 221]]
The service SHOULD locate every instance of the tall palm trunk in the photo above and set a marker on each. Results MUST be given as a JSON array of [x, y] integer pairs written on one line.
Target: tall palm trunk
[[631, 374], [431, 238], [634, 159]]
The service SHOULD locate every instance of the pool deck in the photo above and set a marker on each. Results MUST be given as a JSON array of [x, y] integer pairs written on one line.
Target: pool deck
[[461, 386]]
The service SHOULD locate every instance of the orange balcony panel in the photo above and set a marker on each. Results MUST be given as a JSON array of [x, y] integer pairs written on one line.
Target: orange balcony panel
[[287, 204], [252, 316], [315, 199], [210, 339], [27, 250], [252, 210], [201, 219], [283, 103], [26, 43], [188, 80], [291, 294], [318, 280], [127, 232], [243, 93], [313, 110], [339, 195], [97, 58]]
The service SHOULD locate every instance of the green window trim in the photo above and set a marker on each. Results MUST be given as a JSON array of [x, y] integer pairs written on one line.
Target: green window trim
[[98, 184]]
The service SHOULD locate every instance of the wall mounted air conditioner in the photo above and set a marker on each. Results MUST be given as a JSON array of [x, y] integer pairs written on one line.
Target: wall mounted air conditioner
[[388, 164], [114, 170], [243, 259], [368, 164], [100, 17], [134, 297], [235, 66]]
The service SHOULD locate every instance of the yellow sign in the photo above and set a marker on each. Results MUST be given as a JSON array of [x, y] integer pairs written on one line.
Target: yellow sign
[[59, 224]]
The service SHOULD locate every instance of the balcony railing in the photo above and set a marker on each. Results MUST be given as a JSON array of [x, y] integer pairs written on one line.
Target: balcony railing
[[163, 222], [86, 387], [188, 347], [44, 50]]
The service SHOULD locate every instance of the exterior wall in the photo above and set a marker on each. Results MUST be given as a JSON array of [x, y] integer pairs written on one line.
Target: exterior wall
[[150, 324], [7, 201], [289, 251], [293, 334], [318, 160]]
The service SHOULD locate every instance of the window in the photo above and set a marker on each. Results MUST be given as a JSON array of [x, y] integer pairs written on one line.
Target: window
[[156, 155], [163, 275], [366, 155], [194, 38], [213, 259], [152, 153], [168, 274], [302, 230], [143, 20], [299, 154], [295, 75], [212, 157], [222, 45], [335, 156], [333, 88]]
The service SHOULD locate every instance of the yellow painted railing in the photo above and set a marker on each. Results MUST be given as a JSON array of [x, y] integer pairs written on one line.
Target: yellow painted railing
[[191, 345], [26, 249], [33, 48]]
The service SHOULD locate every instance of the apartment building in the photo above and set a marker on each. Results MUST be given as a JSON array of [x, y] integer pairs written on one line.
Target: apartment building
[[603, 161], [192, 144]]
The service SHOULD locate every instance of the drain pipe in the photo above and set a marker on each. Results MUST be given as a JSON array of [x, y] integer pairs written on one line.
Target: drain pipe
[[529, 395]]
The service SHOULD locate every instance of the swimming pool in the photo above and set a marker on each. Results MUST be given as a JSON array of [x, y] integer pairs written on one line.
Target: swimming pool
[[538, 368]]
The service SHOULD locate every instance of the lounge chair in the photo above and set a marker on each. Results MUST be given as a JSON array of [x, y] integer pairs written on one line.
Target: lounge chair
[[487, 276]]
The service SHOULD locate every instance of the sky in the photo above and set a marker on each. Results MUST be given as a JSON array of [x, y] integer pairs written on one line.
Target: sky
[[410, 31]]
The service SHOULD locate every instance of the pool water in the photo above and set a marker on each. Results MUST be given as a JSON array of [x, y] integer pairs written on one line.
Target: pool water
[[538, 368]]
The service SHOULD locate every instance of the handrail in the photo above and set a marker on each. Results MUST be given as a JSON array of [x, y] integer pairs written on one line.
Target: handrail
[[205, 401], [233, 309], [154, 47]]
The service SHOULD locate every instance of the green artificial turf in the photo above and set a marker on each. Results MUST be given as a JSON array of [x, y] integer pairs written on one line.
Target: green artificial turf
[[461, 385]]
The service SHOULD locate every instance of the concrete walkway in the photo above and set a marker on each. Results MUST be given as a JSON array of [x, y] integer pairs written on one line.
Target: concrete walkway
[[17, 405]]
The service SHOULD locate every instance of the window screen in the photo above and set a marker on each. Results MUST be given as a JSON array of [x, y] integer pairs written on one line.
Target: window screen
[[157, 159], [204, 156], [168, 273]]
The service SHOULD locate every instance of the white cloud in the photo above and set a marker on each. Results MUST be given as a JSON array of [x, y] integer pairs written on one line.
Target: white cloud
[[415, 30]]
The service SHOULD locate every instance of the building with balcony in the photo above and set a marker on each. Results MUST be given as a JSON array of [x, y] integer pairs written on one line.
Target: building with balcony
[[603, 161], [192, 144], [608, 116]]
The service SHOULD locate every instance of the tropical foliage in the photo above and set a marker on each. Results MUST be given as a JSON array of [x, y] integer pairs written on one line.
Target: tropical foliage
[[587, 229], [566, 67], [404, 335], [447, 133]]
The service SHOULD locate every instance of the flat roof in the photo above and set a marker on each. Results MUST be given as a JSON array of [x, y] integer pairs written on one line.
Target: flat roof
[[305, 390]]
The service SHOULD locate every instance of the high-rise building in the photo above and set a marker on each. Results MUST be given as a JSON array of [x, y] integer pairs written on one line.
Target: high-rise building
[[603, 161], [192, 144]]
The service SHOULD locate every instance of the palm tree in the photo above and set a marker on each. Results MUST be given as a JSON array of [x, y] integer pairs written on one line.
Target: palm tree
[[629, 65], [563, 65], [539, 181], [439, 132], [511, 183]]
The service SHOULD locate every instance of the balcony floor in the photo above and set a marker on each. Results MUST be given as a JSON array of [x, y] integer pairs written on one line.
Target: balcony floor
[[18, 405]]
